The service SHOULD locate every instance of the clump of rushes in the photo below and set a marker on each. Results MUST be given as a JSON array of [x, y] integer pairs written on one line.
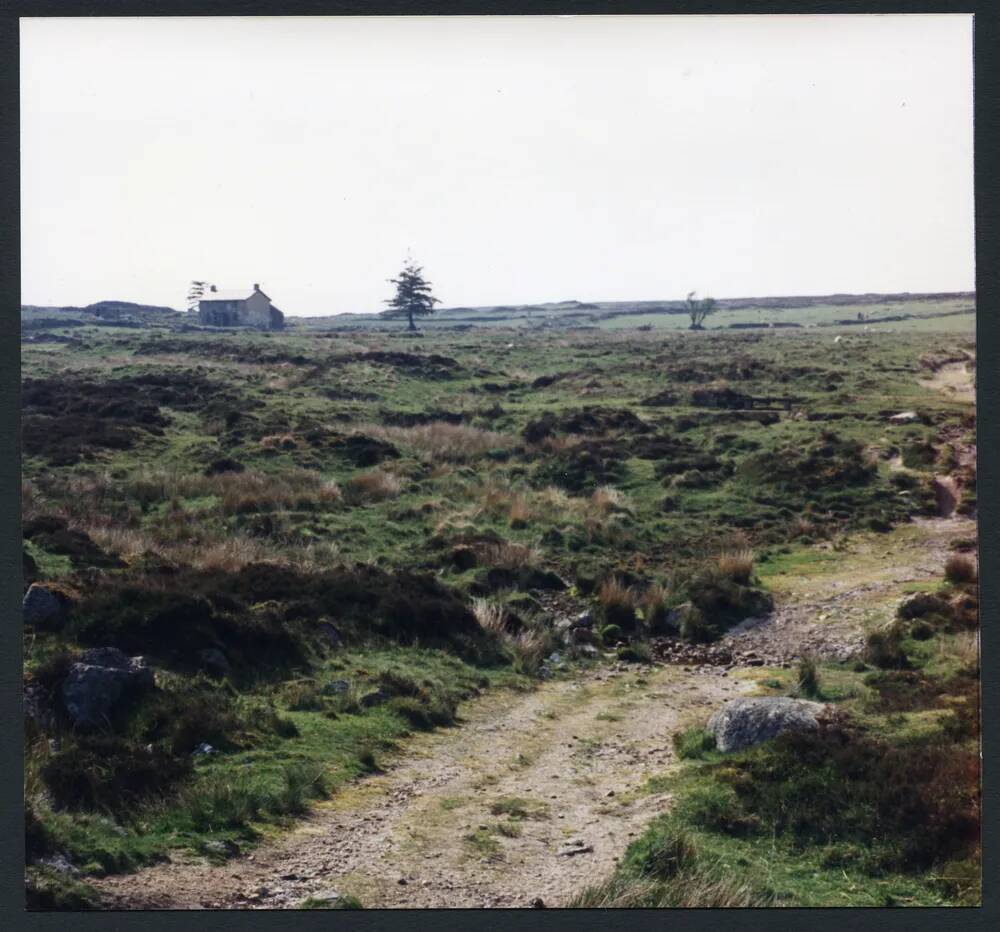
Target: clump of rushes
[[639, 652], [618, 603], [737, 565], [807, 679], [961, 568]]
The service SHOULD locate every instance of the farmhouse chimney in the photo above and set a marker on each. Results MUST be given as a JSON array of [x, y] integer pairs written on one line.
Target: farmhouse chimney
[[256, 287], [214, 288]]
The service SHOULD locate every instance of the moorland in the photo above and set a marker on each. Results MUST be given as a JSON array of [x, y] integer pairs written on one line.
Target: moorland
[[343, 617]]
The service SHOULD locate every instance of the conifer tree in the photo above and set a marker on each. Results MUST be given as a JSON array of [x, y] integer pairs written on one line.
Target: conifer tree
[[413, 295]]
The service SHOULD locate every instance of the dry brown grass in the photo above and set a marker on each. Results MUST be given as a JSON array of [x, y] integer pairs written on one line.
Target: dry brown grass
[[225, 554], [508, 555], [801, 527], [605, 499], [376, 485], [489, 614], [654, 603], [962, 649], [279, 442], [736, 564], [440, 440], [495, 497], [520, 513], [614, 594], [228, 554], [529, 649], [554, 499], [961, 568], [609, 530], [560, 443], [238, 492]]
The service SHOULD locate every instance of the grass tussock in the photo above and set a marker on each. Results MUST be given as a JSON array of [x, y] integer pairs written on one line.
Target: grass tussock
[[618, 603], [527, 646], [655, 604], [376, 485], [490, 615], [664, 870], [528, 649], [737, 565]]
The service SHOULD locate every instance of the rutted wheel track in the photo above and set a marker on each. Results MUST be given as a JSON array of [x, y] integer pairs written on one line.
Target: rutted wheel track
[[576, 748]]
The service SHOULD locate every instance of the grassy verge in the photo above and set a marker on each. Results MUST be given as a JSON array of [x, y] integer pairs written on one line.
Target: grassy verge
[[241, 793], [879, 807]]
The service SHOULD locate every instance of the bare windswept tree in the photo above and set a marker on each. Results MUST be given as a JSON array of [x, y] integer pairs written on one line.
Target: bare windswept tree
[[413, 296], [195, 293], [698, 309]]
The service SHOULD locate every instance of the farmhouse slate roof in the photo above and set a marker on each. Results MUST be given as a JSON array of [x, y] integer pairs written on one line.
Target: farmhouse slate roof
[[229, 294]]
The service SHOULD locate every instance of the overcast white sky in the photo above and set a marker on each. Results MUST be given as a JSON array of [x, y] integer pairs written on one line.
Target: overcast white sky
[[521, 159]]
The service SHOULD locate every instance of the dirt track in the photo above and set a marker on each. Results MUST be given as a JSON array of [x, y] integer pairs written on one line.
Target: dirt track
[[574, 750]]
